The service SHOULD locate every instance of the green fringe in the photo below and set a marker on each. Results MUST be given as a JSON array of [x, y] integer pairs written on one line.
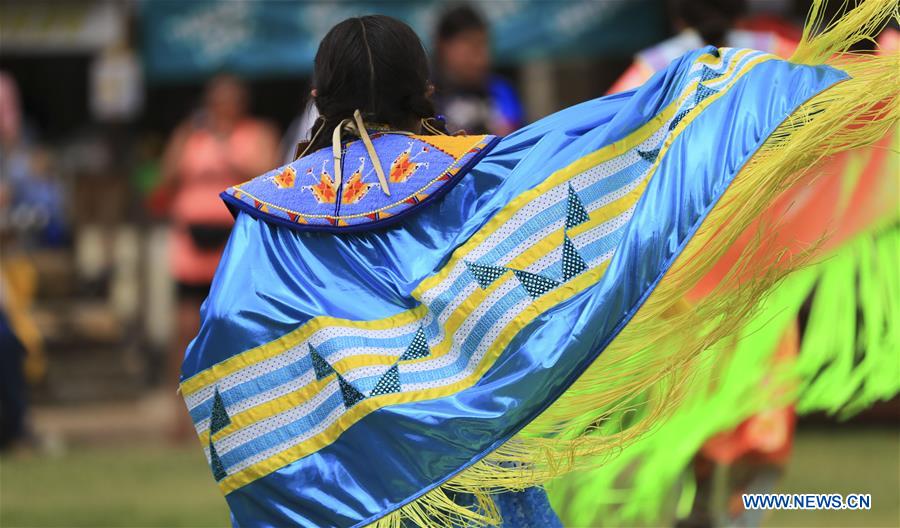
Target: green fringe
[[847, 361], [846, 367]]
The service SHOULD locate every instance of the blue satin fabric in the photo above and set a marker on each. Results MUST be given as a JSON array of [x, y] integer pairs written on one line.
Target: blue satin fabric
[[272, 280]]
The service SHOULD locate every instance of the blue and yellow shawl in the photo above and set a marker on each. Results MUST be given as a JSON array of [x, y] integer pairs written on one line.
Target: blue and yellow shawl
[[489, 325]]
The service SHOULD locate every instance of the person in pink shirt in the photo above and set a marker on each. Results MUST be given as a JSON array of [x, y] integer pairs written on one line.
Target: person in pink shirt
[[216, 147]]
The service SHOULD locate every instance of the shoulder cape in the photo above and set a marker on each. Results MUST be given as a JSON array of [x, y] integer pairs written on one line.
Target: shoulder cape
[[505, 333], [303, 195]]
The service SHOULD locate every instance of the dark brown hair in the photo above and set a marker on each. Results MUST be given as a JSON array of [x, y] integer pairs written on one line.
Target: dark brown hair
[[375, 64], [458, 19], [710, 18]]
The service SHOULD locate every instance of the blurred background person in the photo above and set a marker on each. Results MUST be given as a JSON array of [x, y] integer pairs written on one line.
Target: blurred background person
[[35, 204], [756, 452], [470, 97], [31, 214], [754, 455], [697, 23], [217, 146], [13, 390]]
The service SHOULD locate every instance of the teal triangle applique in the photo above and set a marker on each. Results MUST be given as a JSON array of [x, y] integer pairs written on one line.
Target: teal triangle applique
[[389, 382], [418, 348], [702, 93], [320, 366], [707, 73], [677, 119], [349, 393], [485, 275], [572, 262], [218, 417], [536, 285], [576, 214], [648, 155], [215, 463]]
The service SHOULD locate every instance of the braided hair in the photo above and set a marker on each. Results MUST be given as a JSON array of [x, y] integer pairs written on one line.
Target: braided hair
[[375, 64]]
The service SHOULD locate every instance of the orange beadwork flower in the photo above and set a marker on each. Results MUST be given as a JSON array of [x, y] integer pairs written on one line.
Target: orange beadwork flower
[[402, 167], [355, 189], [285, 179], [324, 190]]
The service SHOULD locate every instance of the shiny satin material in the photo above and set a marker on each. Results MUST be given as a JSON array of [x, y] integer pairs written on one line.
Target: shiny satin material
[[272, 280]]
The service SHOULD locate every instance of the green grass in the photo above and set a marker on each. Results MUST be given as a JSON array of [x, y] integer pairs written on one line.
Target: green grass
[[844, 461], [119, 487], [171, 487]]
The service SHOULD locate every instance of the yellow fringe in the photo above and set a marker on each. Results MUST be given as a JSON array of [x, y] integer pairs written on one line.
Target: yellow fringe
[[650, 365], [437, 508], [822, 39]]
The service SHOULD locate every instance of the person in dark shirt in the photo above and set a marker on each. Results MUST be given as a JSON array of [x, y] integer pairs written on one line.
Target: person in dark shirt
[[468, 95]]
